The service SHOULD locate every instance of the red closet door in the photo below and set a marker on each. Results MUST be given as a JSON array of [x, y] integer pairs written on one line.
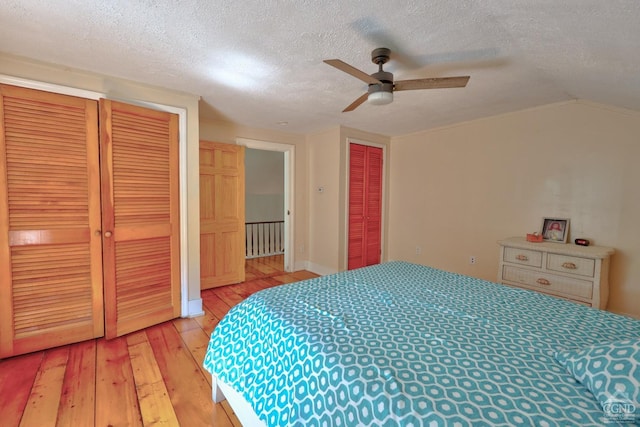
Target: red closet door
[[373, 198], [365, 205]]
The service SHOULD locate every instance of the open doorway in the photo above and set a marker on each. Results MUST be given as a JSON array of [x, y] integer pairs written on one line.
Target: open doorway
[[269, 201], [264, 212]]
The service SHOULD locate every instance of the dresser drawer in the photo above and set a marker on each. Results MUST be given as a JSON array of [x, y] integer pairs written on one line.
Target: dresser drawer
[[523, 256], [548, 282], [571, 264]]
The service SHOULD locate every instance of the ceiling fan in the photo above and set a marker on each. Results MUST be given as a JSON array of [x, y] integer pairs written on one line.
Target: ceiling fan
[[381, 84]]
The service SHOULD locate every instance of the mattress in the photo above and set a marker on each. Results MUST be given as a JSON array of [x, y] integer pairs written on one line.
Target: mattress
[[405, 344]]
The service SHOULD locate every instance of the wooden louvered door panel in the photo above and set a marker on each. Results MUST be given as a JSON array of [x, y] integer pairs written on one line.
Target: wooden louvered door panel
[[373, 230], [222, 232], [365, 205], [50, 245], [140, 216], [357, 175]]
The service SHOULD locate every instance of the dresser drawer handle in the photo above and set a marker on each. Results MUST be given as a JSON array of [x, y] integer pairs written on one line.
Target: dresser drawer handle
[[543, 282], [569, 265], [522, 257]]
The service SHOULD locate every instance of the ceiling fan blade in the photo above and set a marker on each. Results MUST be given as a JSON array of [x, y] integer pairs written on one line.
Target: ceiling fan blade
[[355, 104], [432, 83], [343, 66]]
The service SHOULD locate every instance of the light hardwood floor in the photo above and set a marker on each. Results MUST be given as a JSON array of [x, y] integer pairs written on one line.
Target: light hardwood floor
[[150, 377]]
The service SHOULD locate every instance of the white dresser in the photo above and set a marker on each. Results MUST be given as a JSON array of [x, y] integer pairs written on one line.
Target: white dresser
[[577, 273]]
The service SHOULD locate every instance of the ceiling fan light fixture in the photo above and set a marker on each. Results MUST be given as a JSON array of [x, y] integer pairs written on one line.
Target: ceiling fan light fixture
[[380, 98]]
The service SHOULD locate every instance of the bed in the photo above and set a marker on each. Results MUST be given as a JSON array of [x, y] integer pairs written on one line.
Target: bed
[[405, 344]]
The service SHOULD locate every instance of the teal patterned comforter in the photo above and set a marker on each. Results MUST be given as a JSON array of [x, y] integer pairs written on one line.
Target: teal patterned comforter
[[404, 344]]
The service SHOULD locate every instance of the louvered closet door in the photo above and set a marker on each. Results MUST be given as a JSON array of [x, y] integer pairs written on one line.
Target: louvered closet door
[[373, 241], [140, 220], [365, 205], [357, 212], [50, 248]]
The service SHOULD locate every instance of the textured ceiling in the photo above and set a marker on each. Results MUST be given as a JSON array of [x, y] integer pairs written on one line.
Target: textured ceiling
[[259, 63]]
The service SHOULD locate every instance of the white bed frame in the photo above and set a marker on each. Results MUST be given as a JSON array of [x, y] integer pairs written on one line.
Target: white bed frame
[[243, 410]]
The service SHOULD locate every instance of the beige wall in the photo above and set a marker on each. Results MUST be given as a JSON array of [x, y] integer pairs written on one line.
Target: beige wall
[[324, 214], [328, 156], [455, 191]]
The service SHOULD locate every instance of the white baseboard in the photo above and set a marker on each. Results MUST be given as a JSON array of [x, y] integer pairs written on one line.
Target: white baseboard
[[300, 265], [320, 269], [194, 308]]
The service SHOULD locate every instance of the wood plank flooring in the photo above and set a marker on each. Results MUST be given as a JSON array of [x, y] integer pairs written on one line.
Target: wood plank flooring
[[147, 378]]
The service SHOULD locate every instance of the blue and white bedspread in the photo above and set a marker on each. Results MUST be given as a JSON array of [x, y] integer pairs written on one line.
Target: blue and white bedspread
[[404, 344]]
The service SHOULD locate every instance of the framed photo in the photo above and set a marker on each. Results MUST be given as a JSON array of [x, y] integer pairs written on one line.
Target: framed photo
[[555, 229]]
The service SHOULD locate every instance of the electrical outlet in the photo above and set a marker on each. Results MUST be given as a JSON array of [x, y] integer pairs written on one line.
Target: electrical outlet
[[418, 250], [472, 259]]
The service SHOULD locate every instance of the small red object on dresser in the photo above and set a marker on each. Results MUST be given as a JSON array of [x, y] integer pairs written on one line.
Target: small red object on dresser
[[535, 237]]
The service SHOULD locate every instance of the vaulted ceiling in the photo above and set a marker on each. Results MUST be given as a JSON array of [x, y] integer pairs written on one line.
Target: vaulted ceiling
[[260, 62]]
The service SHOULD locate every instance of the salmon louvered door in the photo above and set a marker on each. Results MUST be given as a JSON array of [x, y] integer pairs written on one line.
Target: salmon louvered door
[[357, 174], [365, 205], [373, 235], [50, 244], [140, 216], [222, 214]]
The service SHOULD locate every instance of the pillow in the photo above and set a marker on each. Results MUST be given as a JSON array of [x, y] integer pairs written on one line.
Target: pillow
[[611, 371]]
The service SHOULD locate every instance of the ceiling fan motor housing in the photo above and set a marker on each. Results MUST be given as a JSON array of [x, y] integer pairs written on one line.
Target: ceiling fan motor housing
[[383, 76], [384, 87], [380, 55]]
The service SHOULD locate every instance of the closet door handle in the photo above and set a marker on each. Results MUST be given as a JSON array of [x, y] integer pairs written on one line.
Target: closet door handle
[[107, 234]]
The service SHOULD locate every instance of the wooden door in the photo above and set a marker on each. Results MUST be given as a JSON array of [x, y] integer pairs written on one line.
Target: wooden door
[[140, 216], [365, 205], [222, 233], [50, 244]]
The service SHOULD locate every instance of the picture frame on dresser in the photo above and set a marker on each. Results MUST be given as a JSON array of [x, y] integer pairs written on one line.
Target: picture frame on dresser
[[555, 230]]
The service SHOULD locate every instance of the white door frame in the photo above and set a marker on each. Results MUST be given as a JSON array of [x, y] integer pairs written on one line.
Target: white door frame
[[289, 168]]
